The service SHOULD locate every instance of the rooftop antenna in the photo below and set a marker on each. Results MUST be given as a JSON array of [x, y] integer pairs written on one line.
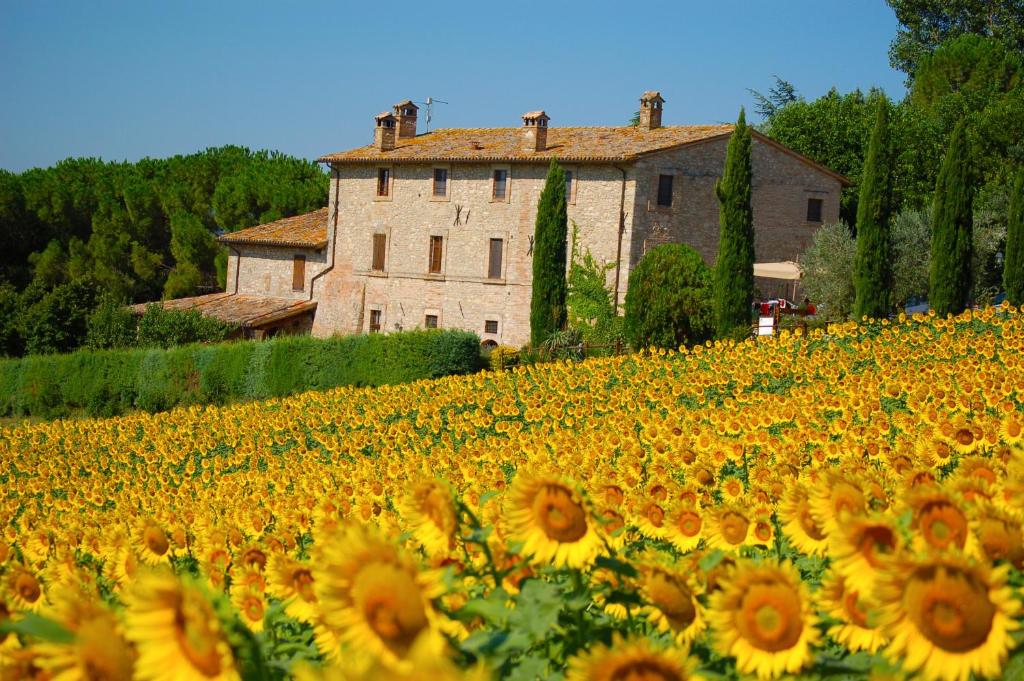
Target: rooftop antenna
[[430, 109]]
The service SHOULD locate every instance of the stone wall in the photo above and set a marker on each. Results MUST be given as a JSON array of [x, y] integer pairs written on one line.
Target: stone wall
[[782, 184], [267, 270], [467, 217]]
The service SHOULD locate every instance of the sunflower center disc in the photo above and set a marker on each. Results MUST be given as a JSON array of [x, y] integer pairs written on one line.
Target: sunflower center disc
[[28, 588], [769, 617], [951, 610], [689, 524], [156, 540], [561, 518], [734, 528], [644, 670]]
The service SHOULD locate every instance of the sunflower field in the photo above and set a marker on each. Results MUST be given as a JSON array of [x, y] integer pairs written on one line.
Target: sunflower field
[[840, 505]]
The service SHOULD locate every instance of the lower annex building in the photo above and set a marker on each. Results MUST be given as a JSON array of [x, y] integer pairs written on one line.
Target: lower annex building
[[436, 229]]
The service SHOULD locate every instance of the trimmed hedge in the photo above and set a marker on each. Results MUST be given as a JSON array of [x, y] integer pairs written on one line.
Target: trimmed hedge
[[111, 382]]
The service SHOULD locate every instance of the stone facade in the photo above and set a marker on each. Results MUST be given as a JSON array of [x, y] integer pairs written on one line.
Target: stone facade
[[377, 265], [268, 270], [467, 218]]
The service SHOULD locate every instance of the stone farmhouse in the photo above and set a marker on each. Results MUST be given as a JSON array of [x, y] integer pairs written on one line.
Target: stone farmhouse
[[435, 229]]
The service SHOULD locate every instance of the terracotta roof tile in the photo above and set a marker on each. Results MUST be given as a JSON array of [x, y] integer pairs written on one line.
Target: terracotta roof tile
[[601, 144], [308, 230], [242, 310]]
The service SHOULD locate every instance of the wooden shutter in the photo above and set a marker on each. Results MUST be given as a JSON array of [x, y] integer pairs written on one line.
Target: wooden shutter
[[436, 249], [383, 181], [374, 321], [379, 244], [494, 261], [299, 273]]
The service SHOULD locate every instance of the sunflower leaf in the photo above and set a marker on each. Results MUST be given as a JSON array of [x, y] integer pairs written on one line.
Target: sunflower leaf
[[711, 560], [37, 626]]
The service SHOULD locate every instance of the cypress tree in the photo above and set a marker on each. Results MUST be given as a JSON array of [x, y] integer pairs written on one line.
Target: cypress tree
[[1013, 265], [547, 303], [872, 273], [949, 286], [734, 267]]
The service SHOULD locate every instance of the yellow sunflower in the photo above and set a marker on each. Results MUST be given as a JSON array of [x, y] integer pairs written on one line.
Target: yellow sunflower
[[940, 521], [763, 617], [834, 499], [372, 596], [24, 589], [862, 550], [999, 534], [631, 659], [854, 630], [684, 528], [292, 583], [799, 525], [670, 601], [729, 527], [176, 631], [97, 651], [250, 604], [947, 618], [553, 519], [151, 543], [429, 511]]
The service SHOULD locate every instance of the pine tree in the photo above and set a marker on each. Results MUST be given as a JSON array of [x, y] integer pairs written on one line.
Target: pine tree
[[1013, 265], [949, 286], [734, 268], [547, 304], [872, 274]]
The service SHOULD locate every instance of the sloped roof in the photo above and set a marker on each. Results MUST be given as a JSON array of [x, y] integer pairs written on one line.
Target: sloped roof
[[308, 230], [238, 309], [607, 144]]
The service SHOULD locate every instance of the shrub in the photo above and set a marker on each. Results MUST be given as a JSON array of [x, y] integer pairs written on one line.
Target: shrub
[[827, 270], [111, 325], [503, 357], [167, 328], [668, 302], [111, 382]]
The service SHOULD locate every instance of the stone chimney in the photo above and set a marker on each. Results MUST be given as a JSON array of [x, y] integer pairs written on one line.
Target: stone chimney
[[384, 133], [650, 110], [535, 131], [405, 114]]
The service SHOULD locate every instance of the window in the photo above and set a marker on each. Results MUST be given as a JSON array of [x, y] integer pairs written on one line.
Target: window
[[298, 273], [568, 186], [494, 259], [440, 182], [379, 243], [500, 188], [814, 210], [383, 181], [436, 248], [491, 326], [374, 321], [665, 190], [431, 321]]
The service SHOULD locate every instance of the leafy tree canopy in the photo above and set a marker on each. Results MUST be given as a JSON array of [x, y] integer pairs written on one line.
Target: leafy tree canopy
[[925, 24]]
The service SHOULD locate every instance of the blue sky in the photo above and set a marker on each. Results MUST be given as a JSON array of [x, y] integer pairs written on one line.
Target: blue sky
[[124, 80]]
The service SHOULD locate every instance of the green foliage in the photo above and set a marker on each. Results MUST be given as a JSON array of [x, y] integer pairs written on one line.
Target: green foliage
[[162, 328], [11, 343], [835, 130], [949, 287], [589, 303], [58, 320], [1013, 265], [548, 299], [111, 325], [141, 230], [827, 270], [503, 357], [734, 267], [872, 278], [668, 302], [924, 24], [109, 382]]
